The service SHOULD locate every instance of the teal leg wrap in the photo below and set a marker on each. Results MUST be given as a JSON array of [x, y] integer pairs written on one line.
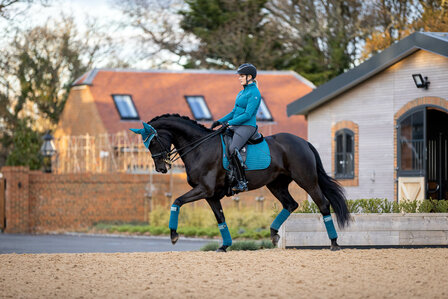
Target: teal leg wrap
[[281, 217], [224, 230], [174, 216], [332, 234]]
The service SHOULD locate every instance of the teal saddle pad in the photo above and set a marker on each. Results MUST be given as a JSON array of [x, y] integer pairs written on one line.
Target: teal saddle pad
[[258, 156]]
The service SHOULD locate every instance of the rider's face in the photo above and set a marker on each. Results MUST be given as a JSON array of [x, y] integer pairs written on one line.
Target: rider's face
[[242, 78]]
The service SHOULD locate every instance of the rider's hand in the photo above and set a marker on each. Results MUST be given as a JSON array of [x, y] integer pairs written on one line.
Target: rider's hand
[[215, 124]]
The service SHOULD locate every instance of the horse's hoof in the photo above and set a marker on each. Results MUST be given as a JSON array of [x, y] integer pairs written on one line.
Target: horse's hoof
[[174, 236], [222, 249], [335, 248], [275, 238]]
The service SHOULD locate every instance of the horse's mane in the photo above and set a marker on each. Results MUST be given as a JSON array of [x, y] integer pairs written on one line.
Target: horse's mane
[[193, 122]]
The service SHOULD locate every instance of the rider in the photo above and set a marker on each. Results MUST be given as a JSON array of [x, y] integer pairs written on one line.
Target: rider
[[242, 120]]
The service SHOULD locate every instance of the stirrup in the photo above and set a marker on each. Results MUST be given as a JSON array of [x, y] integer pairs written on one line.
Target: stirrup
[[240, 186]]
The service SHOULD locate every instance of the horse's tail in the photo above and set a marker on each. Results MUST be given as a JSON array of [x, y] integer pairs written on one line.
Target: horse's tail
[[332, 191]]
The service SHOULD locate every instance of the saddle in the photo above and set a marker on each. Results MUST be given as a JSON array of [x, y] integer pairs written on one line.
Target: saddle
[[256, 138]]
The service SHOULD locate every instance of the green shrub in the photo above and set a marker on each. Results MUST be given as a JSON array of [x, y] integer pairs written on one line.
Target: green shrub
[[409, 206], [159, 230], [308, 207], [266, 244], [378, 205], [353, 206], [212, 246], [244, 245], [427, 206], [188, 231], [442, 206], [372, 205], [396, 207], [211, 232], [207, 232]]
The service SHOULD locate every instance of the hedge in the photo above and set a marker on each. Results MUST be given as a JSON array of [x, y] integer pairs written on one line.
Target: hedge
[[382, 205]]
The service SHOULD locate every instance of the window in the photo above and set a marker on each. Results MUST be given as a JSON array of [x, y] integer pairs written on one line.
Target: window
[[411, 142], [263, 113], [199, 108], [344, 154], [125, 106]]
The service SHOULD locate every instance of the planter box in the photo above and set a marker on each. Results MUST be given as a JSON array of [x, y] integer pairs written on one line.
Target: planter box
[[419, 229]]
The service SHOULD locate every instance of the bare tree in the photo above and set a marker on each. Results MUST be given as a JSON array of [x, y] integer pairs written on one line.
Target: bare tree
[[158, 28], [37, 68], [9, 8], [322, 36]]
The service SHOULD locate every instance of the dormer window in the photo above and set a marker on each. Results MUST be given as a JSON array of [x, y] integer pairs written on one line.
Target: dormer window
[[125, 107], [199, 107], [263, 113]]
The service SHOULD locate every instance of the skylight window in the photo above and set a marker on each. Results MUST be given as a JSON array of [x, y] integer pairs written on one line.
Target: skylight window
[[199, 107], [263, 113], [125, 106]]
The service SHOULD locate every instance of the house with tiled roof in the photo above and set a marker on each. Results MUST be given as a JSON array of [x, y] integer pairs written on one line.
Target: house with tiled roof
[[109, 101]]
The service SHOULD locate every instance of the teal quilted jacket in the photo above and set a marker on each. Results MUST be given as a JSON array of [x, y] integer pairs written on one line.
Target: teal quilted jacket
[[246, 107]]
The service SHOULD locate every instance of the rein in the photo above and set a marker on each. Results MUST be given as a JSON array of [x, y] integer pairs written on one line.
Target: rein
[[168, 154]]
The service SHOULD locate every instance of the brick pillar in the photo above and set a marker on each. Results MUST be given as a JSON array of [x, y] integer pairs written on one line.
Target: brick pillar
[[17, 207]]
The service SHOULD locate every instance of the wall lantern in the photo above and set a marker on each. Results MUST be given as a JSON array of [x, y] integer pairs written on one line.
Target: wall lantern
[[47, 151], [420, 82]]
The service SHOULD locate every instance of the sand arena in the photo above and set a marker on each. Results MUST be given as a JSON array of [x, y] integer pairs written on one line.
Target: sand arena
[[350, 273]]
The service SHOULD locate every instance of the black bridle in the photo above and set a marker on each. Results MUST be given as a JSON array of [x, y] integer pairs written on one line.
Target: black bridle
[[170, 156]]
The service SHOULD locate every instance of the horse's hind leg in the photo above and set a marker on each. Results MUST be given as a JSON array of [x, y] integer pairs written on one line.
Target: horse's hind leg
[[279, 188], [324, 207], [215, 204]]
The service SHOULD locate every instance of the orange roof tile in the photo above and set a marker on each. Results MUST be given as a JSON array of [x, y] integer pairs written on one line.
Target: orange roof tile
[[159, 92]]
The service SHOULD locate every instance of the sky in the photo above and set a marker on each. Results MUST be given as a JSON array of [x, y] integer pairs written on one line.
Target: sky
[[107, 15]]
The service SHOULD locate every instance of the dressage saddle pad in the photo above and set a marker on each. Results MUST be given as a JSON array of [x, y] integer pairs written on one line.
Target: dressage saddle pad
[[255, 156]]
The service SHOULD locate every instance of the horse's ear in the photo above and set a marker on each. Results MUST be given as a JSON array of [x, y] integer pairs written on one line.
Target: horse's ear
[[137, 131], [147, 127]]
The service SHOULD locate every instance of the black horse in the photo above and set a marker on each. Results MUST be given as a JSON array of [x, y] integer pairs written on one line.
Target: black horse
[[292, 159]]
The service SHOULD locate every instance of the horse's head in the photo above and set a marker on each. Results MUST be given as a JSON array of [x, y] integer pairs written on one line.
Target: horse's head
[[158, 144]]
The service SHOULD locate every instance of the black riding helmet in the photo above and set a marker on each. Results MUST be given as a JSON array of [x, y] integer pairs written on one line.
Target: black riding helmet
[[247, 69]]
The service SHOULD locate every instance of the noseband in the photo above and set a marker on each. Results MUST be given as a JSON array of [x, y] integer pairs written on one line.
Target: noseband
[[165, 154]]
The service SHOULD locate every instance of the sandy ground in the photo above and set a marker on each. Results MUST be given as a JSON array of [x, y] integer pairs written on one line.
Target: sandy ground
[[374, 273]]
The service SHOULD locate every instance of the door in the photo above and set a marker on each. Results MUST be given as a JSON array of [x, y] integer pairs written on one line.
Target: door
[[411, 170], [437, 154]]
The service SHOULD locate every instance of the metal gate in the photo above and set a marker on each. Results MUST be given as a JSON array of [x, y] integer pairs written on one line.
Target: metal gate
[[2, 204], [438, 167]]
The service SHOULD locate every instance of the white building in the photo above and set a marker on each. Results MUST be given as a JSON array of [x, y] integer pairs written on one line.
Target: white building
[[382, 128]]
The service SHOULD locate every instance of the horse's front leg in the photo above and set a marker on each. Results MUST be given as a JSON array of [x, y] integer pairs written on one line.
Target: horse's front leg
[[192, 195]]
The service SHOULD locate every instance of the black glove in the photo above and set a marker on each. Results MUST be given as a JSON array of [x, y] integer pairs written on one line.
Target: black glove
[[225, 124], [215, 124]]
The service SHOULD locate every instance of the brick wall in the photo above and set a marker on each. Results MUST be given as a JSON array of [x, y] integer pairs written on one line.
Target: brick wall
[[17, 199], [38, 202]]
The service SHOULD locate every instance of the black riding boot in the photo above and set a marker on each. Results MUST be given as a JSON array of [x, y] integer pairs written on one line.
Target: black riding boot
[[240, 176]]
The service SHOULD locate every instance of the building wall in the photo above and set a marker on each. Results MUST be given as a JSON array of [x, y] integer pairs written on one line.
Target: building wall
[[38, 202], [372, 105], [80, 115]]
